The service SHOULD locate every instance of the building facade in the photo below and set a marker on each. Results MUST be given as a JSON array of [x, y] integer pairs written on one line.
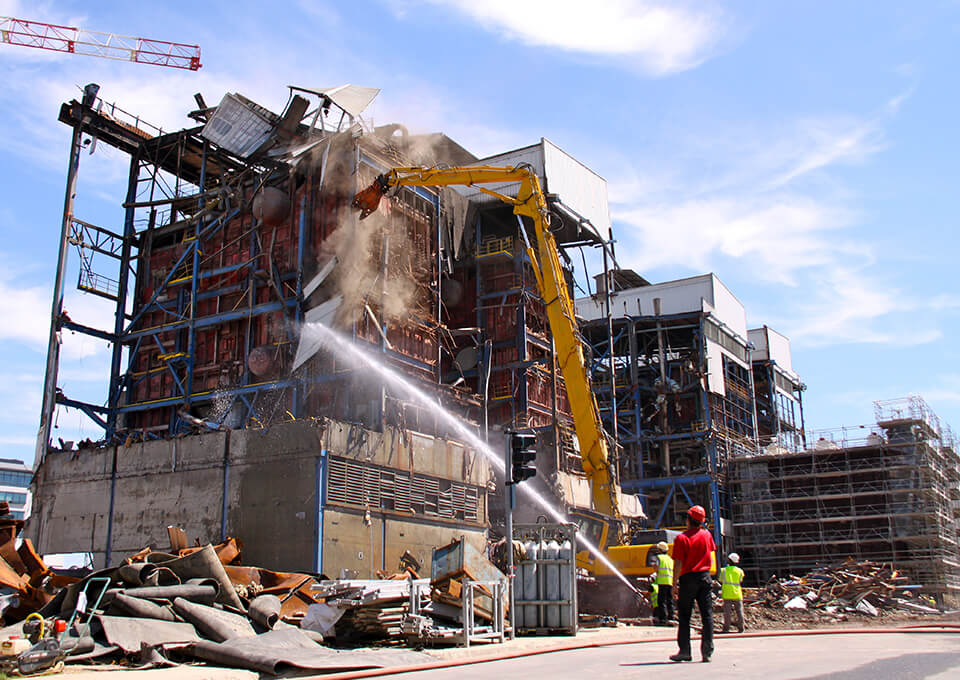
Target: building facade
[[15, 478]]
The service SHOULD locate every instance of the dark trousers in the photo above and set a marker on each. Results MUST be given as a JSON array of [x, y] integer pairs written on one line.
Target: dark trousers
[[697, 587], [664, 610]]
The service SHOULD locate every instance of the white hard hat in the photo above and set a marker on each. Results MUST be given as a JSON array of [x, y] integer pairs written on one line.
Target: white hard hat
[[734, 557]]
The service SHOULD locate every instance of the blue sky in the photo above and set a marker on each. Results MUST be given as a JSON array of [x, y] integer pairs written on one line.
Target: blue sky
[[804, 152]]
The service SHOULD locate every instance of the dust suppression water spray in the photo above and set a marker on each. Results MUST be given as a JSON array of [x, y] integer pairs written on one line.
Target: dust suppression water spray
[[335, 342]]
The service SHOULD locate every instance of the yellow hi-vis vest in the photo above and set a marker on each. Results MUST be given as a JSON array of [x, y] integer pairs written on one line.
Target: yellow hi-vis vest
[[654, 595], [664, 570], [731, 576]]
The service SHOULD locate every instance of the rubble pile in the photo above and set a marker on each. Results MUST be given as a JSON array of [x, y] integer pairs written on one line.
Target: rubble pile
[[854, 587], [199, 604]]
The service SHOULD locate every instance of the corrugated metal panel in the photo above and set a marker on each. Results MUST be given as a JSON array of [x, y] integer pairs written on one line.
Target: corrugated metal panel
[[239, 126]]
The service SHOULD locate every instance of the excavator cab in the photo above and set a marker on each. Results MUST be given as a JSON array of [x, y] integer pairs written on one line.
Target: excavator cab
[[600, 530]]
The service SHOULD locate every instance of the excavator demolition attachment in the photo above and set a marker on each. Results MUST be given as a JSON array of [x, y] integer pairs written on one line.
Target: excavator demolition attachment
[[367, 200]]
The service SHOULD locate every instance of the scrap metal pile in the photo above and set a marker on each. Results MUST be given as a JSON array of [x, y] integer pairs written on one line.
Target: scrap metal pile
[[863, 587], [199, 605]]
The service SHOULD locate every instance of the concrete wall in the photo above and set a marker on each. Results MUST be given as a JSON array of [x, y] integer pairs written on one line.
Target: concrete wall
[[271, 487]]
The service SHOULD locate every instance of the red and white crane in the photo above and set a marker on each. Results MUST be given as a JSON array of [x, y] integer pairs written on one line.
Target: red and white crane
[[96, 44]]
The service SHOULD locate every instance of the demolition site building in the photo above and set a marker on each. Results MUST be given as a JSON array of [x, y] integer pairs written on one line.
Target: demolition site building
[[223, 413], [227, 414]]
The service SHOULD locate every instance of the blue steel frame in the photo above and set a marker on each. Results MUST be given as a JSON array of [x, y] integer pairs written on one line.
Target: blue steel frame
[[631, 431], [182, 307]]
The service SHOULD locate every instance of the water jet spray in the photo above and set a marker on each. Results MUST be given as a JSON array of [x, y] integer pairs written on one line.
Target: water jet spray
[[335, 342]]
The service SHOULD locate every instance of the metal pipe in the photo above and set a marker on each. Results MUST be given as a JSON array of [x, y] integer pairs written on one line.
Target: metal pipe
[[56, 310], [194, 281], [320, 481], [610, 359], [129, 231], [662, 360], [108, 553], [509, 499], [224, 505]]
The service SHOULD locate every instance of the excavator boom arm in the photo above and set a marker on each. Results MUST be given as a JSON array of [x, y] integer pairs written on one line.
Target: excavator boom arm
[[530, 203]]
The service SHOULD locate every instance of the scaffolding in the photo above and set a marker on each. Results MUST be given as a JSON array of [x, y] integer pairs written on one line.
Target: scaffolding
[[889, 495]]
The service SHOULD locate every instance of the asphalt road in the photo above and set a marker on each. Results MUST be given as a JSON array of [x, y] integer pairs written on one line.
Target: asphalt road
[[861, 656]]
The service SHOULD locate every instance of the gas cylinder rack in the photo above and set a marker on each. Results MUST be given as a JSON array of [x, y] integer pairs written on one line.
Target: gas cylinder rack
[[545, 589]]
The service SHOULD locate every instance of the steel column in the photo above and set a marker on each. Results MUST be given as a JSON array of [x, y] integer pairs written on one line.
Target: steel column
[[56, 310]]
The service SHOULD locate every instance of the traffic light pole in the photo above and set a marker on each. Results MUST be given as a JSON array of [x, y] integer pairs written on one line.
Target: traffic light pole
[[508, 502]]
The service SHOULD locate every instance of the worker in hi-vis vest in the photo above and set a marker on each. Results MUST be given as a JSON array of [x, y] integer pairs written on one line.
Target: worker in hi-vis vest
[[664, 611], [653, 589], [731, 576]]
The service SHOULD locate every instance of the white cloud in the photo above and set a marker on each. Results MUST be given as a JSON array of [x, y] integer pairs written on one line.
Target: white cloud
[[776, 234], [765, 204], [659, 37], [26, 314]]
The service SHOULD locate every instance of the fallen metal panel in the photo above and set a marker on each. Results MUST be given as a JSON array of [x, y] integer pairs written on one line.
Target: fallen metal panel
[[239, 126], [321, 276], [216, 624], [140, 608], [129, 633], [351, 98], [310, 343], [271, 652]]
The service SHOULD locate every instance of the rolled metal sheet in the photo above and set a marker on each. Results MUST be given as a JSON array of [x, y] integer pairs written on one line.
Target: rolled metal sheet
[[205, 594], [213, 623], [204, 563], [265, 611], [141, 608]]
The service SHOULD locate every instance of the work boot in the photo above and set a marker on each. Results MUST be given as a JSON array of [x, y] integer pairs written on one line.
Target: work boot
[[680, 656], [706, 658]]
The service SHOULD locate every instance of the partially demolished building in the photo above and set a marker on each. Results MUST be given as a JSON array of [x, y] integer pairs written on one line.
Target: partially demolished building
[[675, 373], [226, 415], [223, 413]]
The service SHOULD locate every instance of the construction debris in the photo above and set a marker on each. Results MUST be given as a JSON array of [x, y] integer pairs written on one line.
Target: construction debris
[[198, 604], [23, 571], [858, 587]]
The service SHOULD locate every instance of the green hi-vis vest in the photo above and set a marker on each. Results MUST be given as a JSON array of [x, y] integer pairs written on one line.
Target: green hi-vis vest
[[731, 577], [664, 570], [654, 594]]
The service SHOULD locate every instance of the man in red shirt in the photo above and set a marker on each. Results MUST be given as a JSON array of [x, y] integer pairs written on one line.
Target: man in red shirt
[[692, 551]]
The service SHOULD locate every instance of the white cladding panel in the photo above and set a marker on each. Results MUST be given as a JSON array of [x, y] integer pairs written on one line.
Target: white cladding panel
[[579, 188], [676, 297], [758, 336], [592, 308], [529, 155], [715, 381], [779, 349], [729, 309], [695, 294]]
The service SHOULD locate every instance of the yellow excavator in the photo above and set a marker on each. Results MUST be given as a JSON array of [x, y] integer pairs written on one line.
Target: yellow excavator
[[604, 526]]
